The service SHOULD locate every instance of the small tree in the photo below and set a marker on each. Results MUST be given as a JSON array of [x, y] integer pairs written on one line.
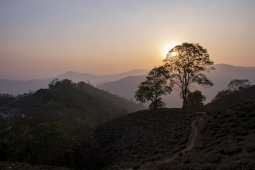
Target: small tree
[[221, 94], [238, 84], [151, 89], [185, 65], [195, 99]]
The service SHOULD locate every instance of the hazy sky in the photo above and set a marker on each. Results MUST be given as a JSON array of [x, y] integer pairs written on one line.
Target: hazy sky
[[42, 39]]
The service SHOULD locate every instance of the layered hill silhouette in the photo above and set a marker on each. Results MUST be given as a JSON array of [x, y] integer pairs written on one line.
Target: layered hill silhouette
[[86, 102], [125, 84], [218, 137], [220, 77], [20, 87]]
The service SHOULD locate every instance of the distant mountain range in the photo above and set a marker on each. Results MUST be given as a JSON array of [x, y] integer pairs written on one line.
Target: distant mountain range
[[221, 77], [20, 87], [125, 84]]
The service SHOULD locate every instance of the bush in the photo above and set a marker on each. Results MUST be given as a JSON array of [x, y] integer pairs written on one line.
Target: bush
[[250, 147], [245, 119], [233, 124], [238, 165], [206, 166], [241, 115], [239, 138], [243, 133], [136, 166], [230, 119], [250, 114], [232, 150]]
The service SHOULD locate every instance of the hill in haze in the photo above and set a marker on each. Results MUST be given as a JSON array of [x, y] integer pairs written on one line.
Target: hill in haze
[[220, 77], [65, 97], [219, 137], [20, 87]]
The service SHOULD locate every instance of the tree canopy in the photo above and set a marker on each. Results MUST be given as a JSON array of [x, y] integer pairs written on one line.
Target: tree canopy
[[195, 99], [238, 84], [184, 65], [151, 89]]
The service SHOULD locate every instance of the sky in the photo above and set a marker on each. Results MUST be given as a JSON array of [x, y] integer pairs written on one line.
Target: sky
[[45, 38]]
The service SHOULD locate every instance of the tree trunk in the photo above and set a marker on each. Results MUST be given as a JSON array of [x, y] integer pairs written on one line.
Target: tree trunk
[[184, 104]]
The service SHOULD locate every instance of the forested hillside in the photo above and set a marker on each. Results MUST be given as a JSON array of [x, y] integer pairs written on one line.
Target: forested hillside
[[64, 122], [227, 98], [59, 119], [63, 98]]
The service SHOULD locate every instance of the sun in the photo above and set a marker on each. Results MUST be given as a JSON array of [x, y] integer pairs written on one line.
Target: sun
[[167, 48]]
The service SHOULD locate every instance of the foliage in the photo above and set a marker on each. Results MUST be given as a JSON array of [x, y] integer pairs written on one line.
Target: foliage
[[25, 166], [5, 99], [4, 147], [3, 123], [221, 94], [195, 99], [63, 97], [238, 84], [143, 137], [52, 144], [37, 146], [151, 89], [227, 98], [184, 66]]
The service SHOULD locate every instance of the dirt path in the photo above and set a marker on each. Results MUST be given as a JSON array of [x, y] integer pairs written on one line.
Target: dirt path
[[193, 135], [190, 145], [191, 142]]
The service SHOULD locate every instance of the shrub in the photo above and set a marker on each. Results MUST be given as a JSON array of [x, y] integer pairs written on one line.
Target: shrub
[[239, 138], [136, 166], [233, 124], [233, 130], [250, 147], [230, 119], [250, 114], [240, 164], [241, 115], [245, 119], [215, 116], [206, 166], [243, 133], [186, 160], [231, 150]]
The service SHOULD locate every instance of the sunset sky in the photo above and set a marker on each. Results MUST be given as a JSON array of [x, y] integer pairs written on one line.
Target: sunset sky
[[42, 39]]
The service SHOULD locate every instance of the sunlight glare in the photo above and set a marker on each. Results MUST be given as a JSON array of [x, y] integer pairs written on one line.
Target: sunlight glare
[[167, 48]]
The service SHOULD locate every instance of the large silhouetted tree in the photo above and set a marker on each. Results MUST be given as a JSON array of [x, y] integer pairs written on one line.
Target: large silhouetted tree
[[184, 65], [151, 89]]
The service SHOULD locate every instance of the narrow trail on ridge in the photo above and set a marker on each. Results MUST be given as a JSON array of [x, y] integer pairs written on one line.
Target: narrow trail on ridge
[[190, 145], [191, 142]]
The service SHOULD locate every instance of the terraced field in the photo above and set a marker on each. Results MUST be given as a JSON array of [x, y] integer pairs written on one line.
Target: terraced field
[[143, 136]]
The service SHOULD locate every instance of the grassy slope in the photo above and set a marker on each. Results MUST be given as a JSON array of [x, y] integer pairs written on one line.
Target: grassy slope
[[142, 136], [225, 142]]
